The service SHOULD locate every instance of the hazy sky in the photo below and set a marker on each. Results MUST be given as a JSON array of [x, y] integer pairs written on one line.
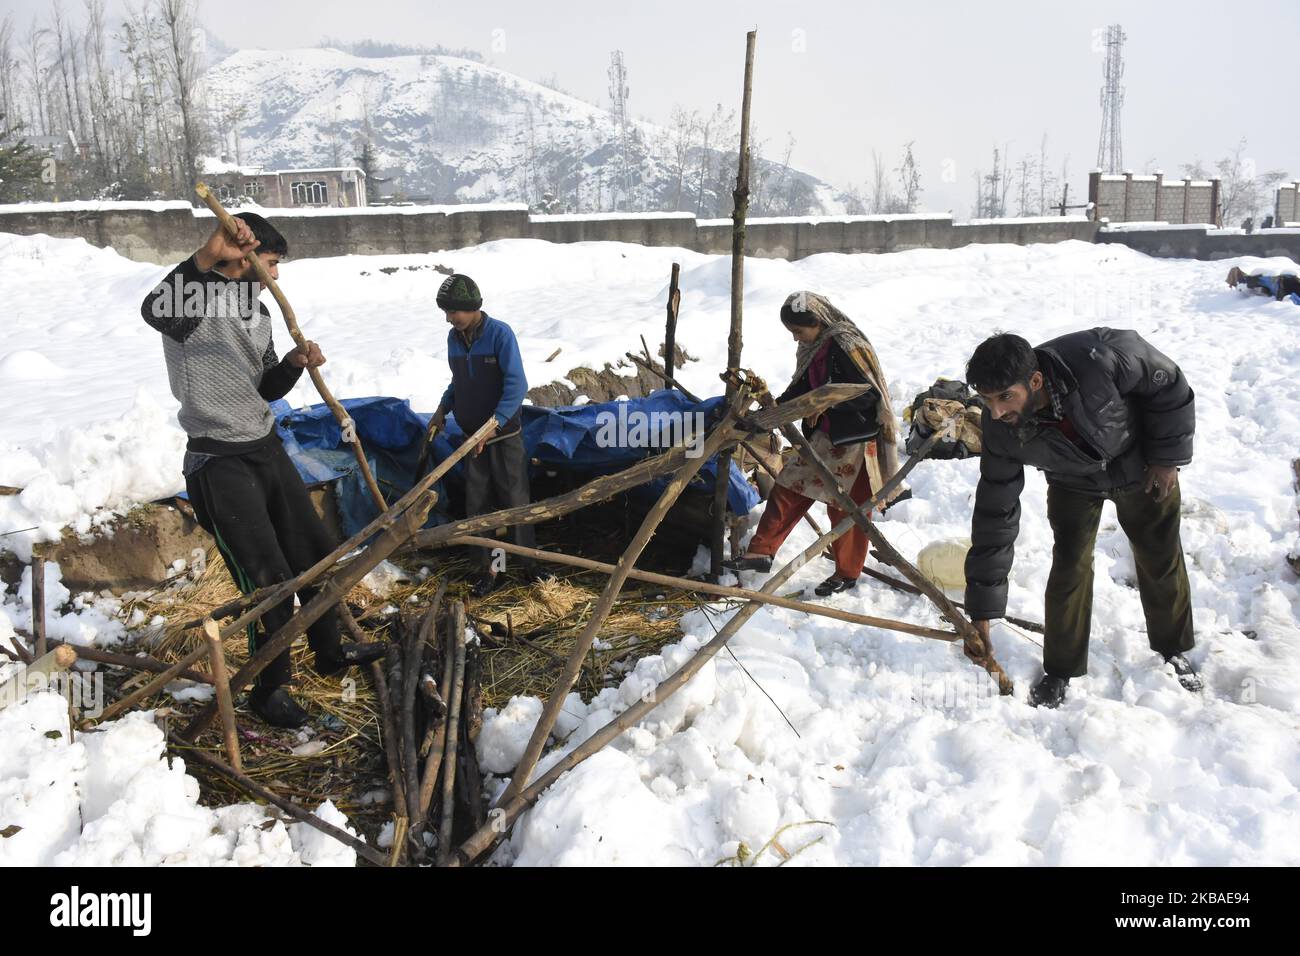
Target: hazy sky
[[847, 78]]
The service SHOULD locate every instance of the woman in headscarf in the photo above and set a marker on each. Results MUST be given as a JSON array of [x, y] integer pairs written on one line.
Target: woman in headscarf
[[857, 439]]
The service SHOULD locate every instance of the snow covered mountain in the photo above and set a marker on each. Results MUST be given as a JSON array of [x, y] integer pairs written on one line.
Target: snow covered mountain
[[453, 130]]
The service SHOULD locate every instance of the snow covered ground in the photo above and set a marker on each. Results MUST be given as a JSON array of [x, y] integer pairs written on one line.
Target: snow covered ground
[[896, 743]]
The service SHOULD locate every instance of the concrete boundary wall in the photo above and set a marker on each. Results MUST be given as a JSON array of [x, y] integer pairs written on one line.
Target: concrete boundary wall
[[167, 232]]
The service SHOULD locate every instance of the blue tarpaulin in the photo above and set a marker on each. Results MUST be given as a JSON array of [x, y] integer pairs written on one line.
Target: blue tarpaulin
[[576, 438]]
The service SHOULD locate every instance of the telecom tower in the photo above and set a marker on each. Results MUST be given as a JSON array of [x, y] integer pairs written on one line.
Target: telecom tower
[[618, 94], [1110, 150]]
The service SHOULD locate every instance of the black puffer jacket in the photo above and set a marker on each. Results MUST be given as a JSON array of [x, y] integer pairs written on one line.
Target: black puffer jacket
[[1130, 405], [851, 419]]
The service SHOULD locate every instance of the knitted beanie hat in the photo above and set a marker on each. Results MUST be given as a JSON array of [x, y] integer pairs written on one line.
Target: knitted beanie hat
[[459, 293]]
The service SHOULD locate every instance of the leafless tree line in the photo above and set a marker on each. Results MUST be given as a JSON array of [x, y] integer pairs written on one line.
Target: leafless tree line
[[123, 107]]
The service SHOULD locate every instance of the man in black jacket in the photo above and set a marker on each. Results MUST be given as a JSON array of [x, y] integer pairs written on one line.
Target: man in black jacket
[[1105, 416]]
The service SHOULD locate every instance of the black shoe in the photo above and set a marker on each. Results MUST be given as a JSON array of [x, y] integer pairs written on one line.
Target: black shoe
[[834, 585], [1048, 692], [761, 563], [483, 585], [1187, 675], [350, 655], [277, 708]]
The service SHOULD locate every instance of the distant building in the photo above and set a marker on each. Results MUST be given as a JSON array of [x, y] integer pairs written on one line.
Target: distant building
[[341, 187]]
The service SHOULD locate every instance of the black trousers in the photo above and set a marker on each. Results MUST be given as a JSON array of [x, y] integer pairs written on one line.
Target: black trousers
[[498, 478], [1152, 528], [257, 508]]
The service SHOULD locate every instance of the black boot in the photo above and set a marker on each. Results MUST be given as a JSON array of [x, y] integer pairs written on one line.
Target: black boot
[[277, 708], [1187, 675], [350, 655], [1048, 692], [483, 585], [834, 585], [762, 563]]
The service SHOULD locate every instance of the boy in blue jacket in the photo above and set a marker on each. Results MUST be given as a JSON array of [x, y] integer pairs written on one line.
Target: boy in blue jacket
[[487, 382]]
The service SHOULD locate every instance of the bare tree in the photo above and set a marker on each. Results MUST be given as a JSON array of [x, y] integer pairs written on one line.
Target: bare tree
[[909, 179], [184, 65]]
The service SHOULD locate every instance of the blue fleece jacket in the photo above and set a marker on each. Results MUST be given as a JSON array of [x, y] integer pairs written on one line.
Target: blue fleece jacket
[[487, 378]]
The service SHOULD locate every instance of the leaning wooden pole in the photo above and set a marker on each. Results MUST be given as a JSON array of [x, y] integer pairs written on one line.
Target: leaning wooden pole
[[739, 212], [456, 646], [291, 320], [722, 433], [509, 810], [718, 590], [38, 606]]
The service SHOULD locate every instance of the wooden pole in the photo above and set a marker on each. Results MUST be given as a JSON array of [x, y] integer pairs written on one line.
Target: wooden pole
[[387, 718], [411, 657], [132, 662], [15, 689], [900, 585], [438, 746], [741, 209], [291, 320], [486, 836], [457, 645], [670, 325], [221, 680], [721, 590], [573, 668], [38, 606], [975, 646]]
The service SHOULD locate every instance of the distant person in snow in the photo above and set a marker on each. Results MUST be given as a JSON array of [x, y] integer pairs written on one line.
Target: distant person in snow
[[1105, 416], [857, 438], [245, 491], [487, 383]]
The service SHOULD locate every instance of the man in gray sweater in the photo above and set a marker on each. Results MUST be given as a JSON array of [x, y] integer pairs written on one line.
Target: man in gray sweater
[[246, 493]]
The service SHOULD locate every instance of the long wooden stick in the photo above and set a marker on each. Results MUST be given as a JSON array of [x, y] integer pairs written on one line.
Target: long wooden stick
[[899, 584], [573, 668], [388, 720], [38, 606], [734, 340], [976, 648], [486, 836], [457, 644], [131, 662], [411, 658], [291, 320], [226, 705], [438, 746], [721, 590]]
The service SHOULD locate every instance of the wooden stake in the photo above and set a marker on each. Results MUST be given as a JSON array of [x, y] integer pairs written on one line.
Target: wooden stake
[[453, 733], [38, 606], [221, 680], [387, 717], [734, 340], [412, 654]]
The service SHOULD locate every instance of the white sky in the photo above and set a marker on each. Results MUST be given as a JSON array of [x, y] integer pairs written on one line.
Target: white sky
[[955, 78]]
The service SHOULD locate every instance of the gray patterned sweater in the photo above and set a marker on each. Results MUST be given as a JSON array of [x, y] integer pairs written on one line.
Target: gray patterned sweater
[[221, 360]]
